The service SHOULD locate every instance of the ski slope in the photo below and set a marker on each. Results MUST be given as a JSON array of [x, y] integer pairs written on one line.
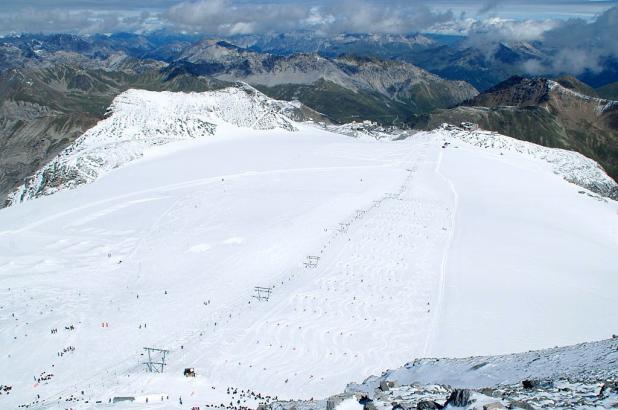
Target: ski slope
[[529, 263], [424, 251]]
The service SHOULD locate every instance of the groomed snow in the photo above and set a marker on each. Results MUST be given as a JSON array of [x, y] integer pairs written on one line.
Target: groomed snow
[[528, 259], [423, 251]]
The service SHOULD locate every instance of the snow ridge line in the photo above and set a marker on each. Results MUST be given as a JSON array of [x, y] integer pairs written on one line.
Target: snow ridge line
[[442, 285], [571, 166]]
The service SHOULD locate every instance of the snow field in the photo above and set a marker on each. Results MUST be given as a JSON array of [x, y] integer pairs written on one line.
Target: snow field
[[423, 250], [86, 266]]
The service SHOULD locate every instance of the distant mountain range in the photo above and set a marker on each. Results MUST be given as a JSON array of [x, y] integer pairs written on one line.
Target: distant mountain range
[[344, 88], [446, 56], [451, 57]]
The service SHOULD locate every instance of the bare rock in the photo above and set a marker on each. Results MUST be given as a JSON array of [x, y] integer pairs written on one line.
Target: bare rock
[[459, 398], [428, 405]]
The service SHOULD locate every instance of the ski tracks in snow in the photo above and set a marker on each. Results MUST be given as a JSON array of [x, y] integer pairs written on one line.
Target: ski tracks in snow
[[439, 306], [374, 299]]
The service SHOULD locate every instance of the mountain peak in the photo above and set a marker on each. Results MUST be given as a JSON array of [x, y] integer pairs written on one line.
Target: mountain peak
[[138, 120], [515, 91]]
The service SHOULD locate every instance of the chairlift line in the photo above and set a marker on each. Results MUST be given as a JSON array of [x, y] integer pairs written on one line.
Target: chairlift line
[[262, 293]]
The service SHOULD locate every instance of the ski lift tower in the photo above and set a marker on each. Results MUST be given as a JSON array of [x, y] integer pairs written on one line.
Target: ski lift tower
[[262, 294], [312, 262], [156, 359]]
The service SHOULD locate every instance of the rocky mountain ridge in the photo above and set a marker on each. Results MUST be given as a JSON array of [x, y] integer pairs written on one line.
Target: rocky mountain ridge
[[408, 88]]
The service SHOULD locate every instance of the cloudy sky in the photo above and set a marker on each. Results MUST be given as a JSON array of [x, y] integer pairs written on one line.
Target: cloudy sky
[[255, 16]]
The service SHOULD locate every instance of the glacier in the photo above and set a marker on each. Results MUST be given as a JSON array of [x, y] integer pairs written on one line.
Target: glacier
[[440, 243]]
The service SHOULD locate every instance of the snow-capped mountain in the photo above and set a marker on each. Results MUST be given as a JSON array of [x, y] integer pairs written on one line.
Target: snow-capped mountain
[[375, 251], [70, 80], [138, 120]]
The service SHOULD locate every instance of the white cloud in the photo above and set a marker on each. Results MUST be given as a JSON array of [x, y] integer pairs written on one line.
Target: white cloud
[[75, 21], [222, 17], [581, 45]]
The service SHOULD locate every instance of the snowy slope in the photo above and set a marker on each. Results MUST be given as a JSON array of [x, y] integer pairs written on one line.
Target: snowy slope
[[521, 245], [571, 165], [424, 250], [139, 120]]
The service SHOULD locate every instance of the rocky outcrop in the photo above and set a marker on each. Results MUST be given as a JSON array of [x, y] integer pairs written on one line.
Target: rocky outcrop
[[566, 394], [428, 405], [579, 376], [459, 398], [516, 91]]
